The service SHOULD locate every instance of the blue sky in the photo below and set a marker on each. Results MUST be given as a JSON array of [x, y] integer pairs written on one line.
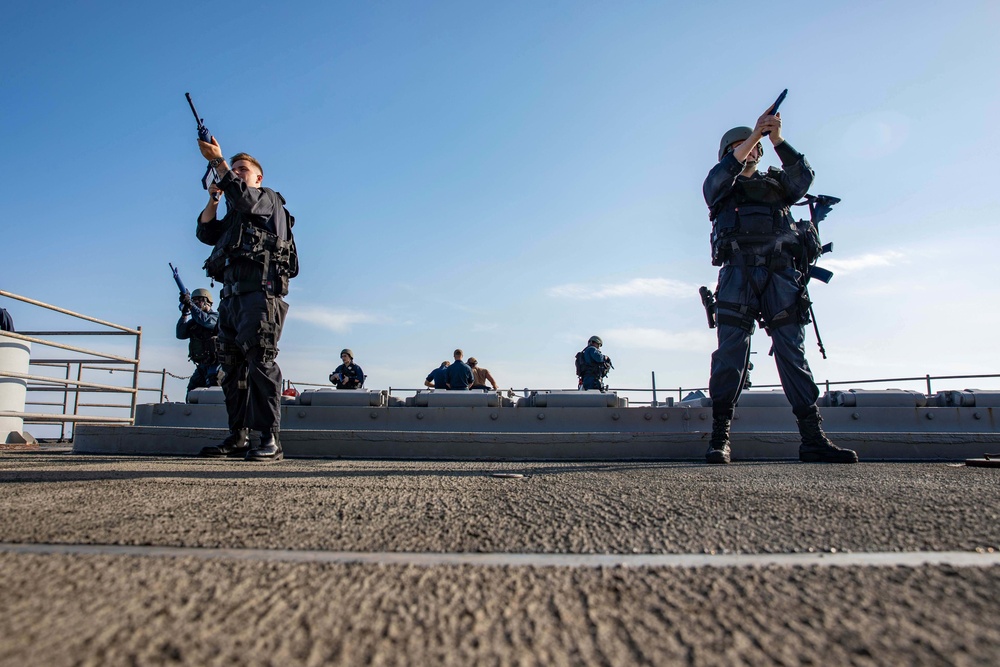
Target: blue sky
[[508, 178]]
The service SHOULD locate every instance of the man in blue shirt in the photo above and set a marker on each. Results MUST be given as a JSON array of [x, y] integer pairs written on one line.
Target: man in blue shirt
[[460, 376], [348, 374], [438, 378]]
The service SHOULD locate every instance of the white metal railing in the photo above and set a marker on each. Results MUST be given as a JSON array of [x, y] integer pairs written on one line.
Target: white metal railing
[[67, 385]]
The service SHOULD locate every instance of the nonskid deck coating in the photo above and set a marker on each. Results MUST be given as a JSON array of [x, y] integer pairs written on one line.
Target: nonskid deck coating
[[127, 608]]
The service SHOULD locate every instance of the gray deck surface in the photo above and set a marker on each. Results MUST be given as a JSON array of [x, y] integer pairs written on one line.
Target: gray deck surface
[[113, 609]]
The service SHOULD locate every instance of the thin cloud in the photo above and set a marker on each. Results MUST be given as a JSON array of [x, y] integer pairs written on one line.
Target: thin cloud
[[659, 339], [334, 320], [869, 261], [636, 287]]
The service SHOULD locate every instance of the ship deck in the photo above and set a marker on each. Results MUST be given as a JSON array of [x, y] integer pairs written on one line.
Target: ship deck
[[151, 560]]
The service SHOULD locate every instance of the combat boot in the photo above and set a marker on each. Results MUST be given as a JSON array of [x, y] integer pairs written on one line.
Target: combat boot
[[817, 448], [718, 446], [237, 443], [269, 448]]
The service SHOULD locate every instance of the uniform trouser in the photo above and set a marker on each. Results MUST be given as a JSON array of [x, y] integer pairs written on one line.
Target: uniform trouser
[[729, 361], [205, 375], [249, 329], [592, 382]]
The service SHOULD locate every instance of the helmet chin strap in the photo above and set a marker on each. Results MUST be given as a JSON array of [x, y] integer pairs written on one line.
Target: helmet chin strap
[[757, 155]]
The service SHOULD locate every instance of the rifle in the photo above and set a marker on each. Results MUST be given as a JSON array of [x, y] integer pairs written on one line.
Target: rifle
[[819, 207], [180, 285], [206, 136], [774, 107], [708, 300]]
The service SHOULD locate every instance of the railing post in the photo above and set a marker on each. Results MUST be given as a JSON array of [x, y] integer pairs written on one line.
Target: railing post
[[928, 384], [62, 426], [135, 374], [76, 394], [653, 373], [163, 384]]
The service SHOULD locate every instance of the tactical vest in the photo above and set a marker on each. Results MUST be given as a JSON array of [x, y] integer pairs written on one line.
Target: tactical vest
[[754, 217], [349, 376], [585, 368], [202, 350], [277, 258]]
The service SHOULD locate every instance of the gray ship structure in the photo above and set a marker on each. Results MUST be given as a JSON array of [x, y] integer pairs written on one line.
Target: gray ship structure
[[566, 425]]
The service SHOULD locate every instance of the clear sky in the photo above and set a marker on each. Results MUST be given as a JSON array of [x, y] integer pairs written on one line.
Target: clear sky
[[508, 177]]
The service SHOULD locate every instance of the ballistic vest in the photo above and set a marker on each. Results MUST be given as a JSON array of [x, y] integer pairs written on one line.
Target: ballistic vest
[[754, 218], [275, 259], [201, 349], [585, 367]]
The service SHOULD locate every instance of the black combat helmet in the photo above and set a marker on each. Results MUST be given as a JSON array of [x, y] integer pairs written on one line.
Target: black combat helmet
[[741, 133]]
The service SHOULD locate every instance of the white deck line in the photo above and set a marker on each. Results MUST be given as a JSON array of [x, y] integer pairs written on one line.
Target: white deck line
[[428, 559]]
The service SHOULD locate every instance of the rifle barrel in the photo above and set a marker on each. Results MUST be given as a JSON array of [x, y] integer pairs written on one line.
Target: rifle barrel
[[193, 110]]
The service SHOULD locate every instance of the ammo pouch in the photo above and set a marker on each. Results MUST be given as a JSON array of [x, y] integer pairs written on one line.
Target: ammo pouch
[[755, 220], [202, 350], [754, 227], [599, 371], [215, 265], [812, 246]]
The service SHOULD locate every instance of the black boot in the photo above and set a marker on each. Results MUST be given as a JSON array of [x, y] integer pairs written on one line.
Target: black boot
[[817, 448], [269, 448], [237, 443], [718, 446]]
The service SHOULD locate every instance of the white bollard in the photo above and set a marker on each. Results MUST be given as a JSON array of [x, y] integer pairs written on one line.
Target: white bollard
[[14, 358]]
